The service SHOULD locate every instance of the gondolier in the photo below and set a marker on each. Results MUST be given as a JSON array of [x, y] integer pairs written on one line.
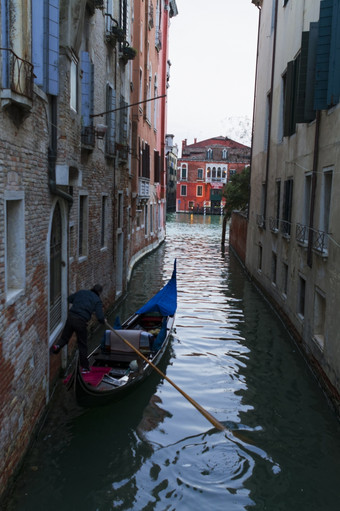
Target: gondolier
[[84, 303]]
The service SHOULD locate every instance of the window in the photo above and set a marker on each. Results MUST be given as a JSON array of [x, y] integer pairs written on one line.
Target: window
[[110, 120], [277, 203], [319, 318], [183, 190], [103, 234], [224, 154], [83, 226], [157, 167], [326, 200], [87, 84], [274, 267], [199, 191], [200, 174], [260, 258], [74, 83], [307, 199], [267, 124], [120, 211], [155, 105], [291, 97], [301, 297], [284, 278], [45, 44], [287, 207], [184, 172], [55, 312], [15, 244], [151, 218], [146, 219], [209, 154]]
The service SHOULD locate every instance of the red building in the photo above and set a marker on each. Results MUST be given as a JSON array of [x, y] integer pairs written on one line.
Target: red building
[[204, 169]]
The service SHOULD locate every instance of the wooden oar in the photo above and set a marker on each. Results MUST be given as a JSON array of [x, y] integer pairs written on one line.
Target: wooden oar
[[204, 412]]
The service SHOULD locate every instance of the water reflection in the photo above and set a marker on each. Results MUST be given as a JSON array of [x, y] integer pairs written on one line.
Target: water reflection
[[154, 451]]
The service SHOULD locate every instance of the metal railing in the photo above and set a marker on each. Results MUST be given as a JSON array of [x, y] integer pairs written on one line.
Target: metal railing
[[88, 136], [301, 234], [260, 221], [320, 241], [274, 224], [285, 228], [17, 73]]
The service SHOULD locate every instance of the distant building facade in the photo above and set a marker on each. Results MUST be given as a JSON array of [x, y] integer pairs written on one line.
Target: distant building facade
[[293, 242], [204, 169], [171, 155], [73, 211]]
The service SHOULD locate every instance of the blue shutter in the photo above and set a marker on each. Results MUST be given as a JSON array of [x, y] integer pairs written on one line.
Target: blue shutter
[[52, 49], [86, 88], [323, 55], [38, 41], [4, 44], [334, 63]]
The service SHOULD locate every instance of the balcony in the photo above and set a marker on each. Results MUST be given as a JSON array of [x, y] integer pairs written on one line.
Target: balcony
[[17, 80], [88, 136], [260, 221], [143, 188], [274, 224], [301, 234], [320, 242], [285, 228]]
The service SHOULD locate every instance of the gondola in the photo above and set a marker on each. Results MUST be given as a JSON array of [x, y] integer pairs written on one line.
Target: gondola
[[115, 368]]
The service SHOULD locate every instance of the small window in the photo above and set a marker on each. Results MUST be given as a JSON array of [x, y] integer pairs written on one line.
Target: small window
[[284, 278], [199, 191], [74, 83], [120, 211], [301, 297], [184, 173], [200, 174], [319, 318], [274, 267], [15, 247], [103, 235], [260, 258], [83, 226], [183, 190]]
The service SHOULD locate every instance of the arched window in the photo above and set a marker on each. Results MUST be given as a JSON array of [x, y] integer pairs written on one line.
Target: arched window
[[209, 154]]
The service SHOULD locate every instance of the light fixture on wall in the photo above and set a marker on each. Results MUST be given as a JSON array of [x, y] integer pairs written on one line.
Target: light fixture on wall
[[101, 130]]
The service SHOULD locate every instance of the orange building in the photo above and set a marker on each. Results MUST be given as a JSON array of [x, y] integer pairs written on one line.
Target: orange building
[[204, 169]]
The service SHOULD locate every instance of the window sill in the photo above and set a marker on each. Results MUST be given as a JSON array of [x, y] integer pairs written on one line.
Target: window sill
[[12, 295]]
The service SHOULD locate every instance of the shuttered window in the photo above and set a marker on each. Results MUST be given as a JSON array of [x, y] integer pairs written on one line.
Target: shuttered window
[[45, 44], [110, 120], [87, 89], [323, 54]]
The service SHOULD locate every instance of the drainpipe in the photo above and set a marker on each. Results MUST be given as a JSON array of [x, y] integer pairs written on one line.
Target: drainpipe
[[270, 116], [313, 192]]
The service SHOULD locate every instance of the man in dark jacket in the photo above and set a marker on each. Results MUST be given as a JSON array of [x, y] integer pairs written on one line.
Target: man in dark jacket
[[84, 304]]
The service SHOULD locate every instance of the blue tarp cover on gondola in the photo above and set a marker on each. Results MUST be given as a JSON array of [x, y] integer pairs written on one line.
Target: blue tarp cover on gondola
[[165, 301]]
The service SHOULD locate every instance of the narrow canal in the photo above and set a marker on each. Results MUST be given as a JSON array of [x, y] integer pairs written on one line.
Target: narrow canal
[[154, 451]]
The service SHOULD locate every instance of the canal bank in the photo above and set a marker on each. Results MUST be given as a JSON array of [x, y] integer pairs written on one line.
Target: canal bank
[[155, 451]]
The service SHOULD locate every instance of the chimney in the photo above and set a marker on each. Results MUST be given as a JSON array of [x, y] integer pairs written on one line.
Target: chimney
[[195, 140], [184, 143]]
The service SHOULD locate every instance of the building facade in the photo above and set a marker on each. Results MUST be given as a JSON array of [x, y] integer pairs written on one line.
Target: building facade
[[69, 189], [204, 169], [293, 237], [171, 155]]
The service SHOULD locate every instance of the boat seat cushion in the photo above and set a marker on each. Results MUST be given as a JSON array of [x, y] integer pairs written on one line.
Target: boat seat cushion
[[138, 338]]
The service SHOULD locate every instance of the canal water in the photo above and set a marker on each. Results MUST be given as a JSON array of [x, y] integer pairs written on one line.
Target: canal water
[[154, 450]]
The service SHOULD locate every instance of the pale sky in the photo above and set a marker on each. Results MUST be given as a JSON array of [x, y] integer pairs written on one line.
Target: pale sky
[[212, 52]]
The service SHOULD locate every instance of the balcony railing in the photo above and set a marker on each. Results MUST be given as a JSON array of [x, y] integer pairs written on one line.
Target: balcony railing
[[274, 224], [320, 241], [285, 228], [301, 234], [143, 188], [17, 73], [260, 221], [88, 136]]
